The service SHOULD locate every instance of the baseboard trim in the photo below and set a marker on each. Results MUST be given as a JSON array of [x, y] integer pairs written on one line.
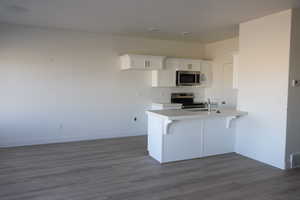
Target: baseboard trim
[[67, 140]]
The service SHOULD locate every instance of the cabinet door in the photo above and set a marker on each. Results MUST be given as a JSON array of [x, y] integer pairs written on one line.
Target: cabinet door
[[165, 77], [169, 76], [185, 64], [138, 62], [154, 62], [184, 141], [142, 62], [190, 65], [207, 76], [172, 63], [217, 139]]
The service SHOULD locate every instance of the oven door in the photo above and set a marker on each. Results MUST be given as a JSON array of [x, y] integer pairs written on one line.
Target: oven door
[[187, 78]]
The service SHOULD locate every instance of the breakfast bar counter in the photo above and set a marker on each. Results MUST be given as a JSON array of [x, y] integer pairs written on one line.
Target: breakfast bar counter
[[180, 134]]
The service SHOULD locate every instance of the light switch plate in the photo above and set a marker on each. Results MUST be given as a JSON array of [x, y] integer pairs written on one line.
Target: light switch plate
[[295, 83]]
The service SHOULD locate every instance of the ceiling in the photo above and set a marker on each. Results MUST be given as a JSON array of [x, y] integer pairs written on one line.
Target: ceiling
[[205, 20]]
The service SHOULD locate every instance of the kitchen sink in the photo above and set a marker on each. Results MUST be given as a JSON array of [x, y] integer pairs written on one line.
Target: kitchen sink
[[201, 110]]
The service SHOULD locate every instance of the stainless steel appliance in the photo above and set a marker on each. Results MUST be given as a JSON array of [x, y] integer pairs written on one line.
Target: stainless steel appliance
[[187, 100], [188, 78]]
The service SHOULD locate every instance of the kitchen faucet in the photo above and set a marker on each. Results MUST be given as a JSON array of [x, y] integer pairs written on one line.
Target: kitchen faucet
[[209, 105]]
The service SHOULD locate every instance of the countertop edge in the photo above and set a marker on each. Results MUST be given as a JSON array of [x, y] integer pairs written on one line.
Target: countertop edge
[[235, 113]]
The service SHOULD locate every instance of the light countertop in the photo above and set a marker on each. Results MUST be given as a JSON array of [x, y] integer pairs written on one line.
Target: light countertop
[[166, 104], [180, 114]]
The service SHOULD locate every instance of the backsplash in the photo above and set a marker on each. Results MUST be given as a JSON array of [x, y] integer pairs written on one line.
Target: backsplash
[[164, 94], [228, 96]]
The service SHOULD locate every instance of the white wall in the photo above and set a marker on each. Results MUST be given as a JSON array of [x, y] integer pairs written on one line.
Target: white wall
[[221, 53], [264, 46], [293, 115], [59, 85]]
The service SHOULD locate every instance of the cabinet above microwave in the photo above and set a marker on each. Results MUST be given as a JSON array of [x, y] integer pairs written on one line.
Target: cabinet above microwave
[[182, 64], [141, 62]]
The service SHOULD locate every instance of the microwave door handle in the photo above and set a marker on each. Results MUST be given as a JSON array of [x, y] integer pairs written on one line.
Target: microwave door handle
[[178, 78]]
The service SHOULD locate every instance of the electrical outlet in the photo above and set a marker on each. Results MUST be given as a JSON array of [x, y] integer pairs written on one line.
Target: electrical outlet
[[295, 83]]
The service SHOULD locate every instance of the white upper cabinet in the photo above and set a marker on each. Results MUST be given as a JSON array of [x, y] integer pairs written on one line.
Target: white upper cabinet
[[185, 64], [164, 70], [141, 62], [165, 77], [206, 73]]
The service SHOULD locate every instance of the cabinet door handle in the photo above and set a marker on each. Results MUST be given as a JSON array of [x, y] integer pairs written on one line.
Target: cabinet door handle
[[146, 64]]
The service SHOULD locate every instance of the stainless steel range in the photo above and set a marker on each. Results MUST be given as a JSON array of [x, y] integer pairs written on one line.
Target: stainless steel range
[[187, 100]]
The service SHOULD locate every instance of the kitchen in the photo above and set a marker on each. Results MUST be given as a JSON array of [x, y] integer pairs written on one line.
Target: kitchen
[[202, 128]]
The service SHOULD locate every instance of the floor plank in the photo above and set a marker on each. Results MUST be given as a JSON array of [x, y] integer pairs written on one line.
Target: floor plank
[[119, 169]]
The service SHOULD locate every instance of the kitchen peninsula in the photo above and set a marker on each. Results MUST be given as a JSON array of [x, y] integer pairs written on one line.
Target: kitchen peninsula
[[180, 134]]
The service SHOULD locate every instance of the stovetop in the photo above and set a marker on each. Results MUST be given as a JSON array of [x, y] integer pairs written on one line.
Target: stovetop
[[193, 105], [187, 100]]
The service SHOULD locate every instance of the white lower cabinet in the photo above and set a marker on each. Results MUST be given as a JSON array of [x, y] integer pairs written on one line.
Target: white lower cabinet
[[216, 138], [188, 139], [177, 146]]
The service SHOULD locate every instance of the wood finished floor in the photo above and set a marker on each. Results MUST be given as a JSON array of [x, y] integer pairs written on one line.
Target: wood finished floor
[[119, 169]]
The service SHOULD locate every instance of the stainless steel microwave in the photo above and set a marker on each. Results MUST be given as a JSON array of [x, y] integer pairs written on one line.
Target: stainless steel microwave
[[188, 78]]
